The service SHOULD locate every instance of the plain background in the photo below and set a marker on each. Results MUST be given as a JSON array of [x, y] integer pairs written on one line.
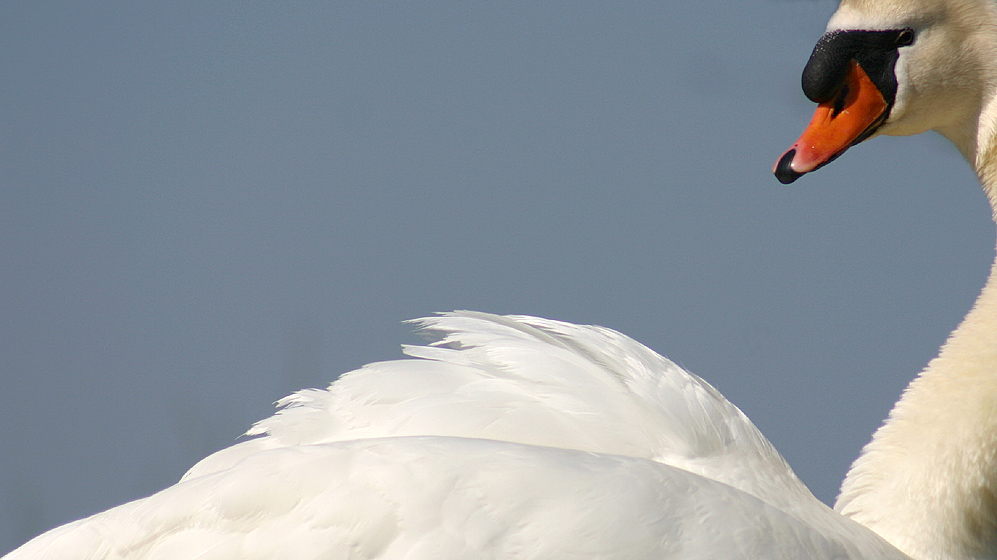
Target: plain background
[[206, 206]]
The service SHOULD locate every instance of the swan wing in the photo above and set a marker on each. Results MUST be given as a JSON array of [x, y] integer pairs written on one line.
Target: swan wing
[[539, 382]]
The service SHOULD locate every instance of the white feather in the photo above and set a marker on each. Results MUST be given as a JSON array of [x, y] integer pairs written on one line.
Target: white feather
[[518, 437], [511, 437]]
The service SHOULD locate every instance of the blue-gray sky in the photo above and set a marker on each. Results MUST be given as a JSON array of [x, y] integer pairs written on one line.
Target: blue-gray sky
[[205, 206]]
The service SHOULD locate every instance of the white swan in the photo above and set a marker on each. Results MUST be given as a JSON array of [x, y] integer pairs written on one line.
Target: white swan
[[516, 437]]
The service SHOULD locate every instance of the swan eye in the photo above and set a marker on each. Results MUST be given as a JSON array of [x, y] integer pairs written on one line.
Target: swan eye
[[905, 38]]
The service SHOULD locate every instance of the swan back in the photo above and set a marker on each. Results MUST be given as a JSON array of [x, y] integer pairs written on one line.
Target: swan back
[[422, 498]]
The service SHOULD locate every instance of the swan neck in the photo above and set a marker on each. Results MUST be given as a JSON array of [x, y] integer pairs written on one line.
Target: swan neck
[[986, 169], [927, 482]]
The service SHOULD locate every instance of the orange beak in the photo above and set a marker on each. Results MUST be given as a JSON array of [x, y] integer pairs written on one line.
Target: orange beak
[[857, 110]]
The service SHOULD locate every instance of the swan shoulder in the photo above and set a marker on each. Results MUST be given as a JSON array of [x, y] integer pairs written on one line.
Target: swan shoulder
[[442, 497]]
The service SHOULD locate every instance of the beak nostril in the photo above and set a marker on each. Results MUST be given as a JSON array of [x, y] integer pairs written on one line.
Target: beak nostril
[[840, 100]]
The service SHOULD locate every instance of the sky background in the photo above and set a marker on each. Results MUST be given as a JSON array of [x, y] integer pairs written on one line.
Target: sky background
[[205, 206]]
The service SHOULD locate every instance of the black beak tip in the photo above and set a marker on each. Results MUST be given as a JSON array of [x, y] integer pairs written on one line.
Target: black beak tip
[[784, 169]]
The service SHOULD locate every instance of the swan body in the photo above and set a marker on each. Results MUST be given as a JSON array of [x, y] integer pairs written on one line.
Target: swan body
[[518, 437], [509, 437]]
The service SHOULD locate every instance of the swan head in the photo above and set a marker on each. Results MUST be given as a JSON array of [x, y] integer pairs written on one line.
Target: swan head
[[897, 67]]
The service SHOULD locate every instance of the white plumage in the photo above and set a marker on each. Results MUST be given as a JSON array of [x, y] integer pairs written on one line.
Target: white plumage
[[511, 437], [517, 437]]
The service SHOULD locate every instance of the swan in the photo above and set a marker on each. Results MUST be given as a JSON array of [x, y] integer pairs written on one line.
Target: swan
[[520, 437]]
